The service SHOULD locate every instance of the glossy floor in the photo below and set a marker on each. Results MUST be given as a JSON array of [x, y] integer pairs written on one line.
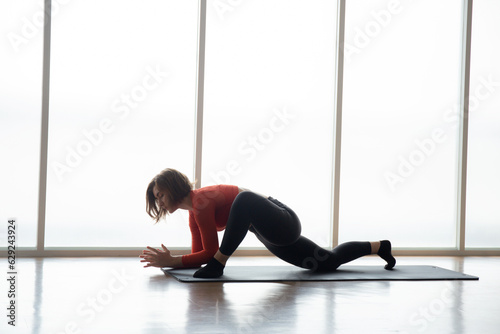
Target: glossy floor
[[117, 295]]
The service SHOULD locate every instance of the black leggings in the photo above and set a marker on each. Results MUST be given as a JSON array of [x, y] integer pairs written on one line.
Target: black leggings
[[278, 228]]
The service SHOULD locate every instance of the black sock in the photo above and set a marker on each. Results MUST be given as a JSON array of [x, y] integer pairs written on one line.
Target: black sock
[[385, 253], [213, 269]]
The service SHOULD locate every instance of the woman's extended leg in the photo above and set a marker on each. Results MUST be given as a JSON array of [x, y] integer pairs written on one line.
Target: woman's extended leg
[[306, 254], [278, 228]]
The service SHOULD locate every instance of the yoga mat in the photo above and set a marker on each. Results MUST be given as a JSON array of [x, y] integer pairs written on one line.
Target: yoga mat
[[344, 273]]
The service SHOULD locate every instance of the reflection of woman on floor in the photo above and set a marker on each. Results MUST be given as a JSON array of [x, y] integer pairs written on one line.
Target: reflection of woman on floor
[[219, 207]]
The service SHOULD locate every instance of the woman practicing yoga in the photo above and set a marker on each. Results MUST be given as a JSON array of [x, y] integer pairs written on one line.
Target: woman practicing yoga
[[219, 207]]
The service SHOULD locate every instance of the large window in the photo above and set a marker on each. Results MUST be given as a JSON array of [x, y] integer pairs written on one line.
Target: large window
[[399, 153], [122, 109], [21, 30], [269, 106], [483, 186]]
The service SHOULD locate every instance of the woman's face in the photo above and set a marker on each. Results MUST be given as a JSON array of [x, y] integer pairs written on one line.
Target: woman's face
[[163, 201]]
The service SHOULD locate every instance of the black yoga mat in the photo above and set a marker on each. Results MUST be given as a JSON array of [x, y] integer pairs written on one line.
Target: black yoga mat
[[344, 273]]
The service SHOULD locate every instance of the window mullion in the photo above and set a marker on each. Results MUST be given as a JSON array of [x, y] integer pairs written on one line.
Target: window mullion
[[42, 189], [200, 89], [464, 123]]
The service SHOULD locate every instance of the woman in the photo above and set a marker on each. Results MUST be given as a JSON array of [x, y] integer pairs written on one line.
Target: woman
[[237, 210]]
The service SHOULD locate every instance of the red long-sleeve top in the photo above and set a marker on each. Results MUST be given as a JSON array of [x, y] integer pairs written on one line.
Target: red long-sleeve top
[[211, 206]]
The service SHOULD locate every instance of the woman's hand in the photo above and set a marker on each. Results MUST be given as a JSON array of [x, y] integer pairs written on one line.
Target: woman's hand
[[159, 258]]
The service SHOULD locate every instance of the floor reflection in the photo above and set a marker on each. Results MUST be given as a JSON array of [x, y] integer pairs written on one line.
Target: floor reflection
[[52, 289], [37, 297], [241, 307]]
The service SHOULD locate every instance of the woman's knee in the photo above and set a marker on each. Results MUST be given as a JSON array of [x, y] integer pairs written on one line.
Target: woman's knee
[[244, 200], [242, 204], [245, 197]]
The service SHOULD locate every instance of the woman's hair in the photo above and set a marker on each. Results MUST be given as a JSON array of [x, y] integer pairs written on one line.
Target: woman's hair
[[175, 185]]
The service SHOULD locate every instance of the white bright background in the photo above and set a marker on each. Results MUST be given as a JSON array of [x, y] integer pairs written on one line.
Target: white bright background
[[20, 116], [483, 186], [263, 59], [268, 118], [402, 75], [103, 57]]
